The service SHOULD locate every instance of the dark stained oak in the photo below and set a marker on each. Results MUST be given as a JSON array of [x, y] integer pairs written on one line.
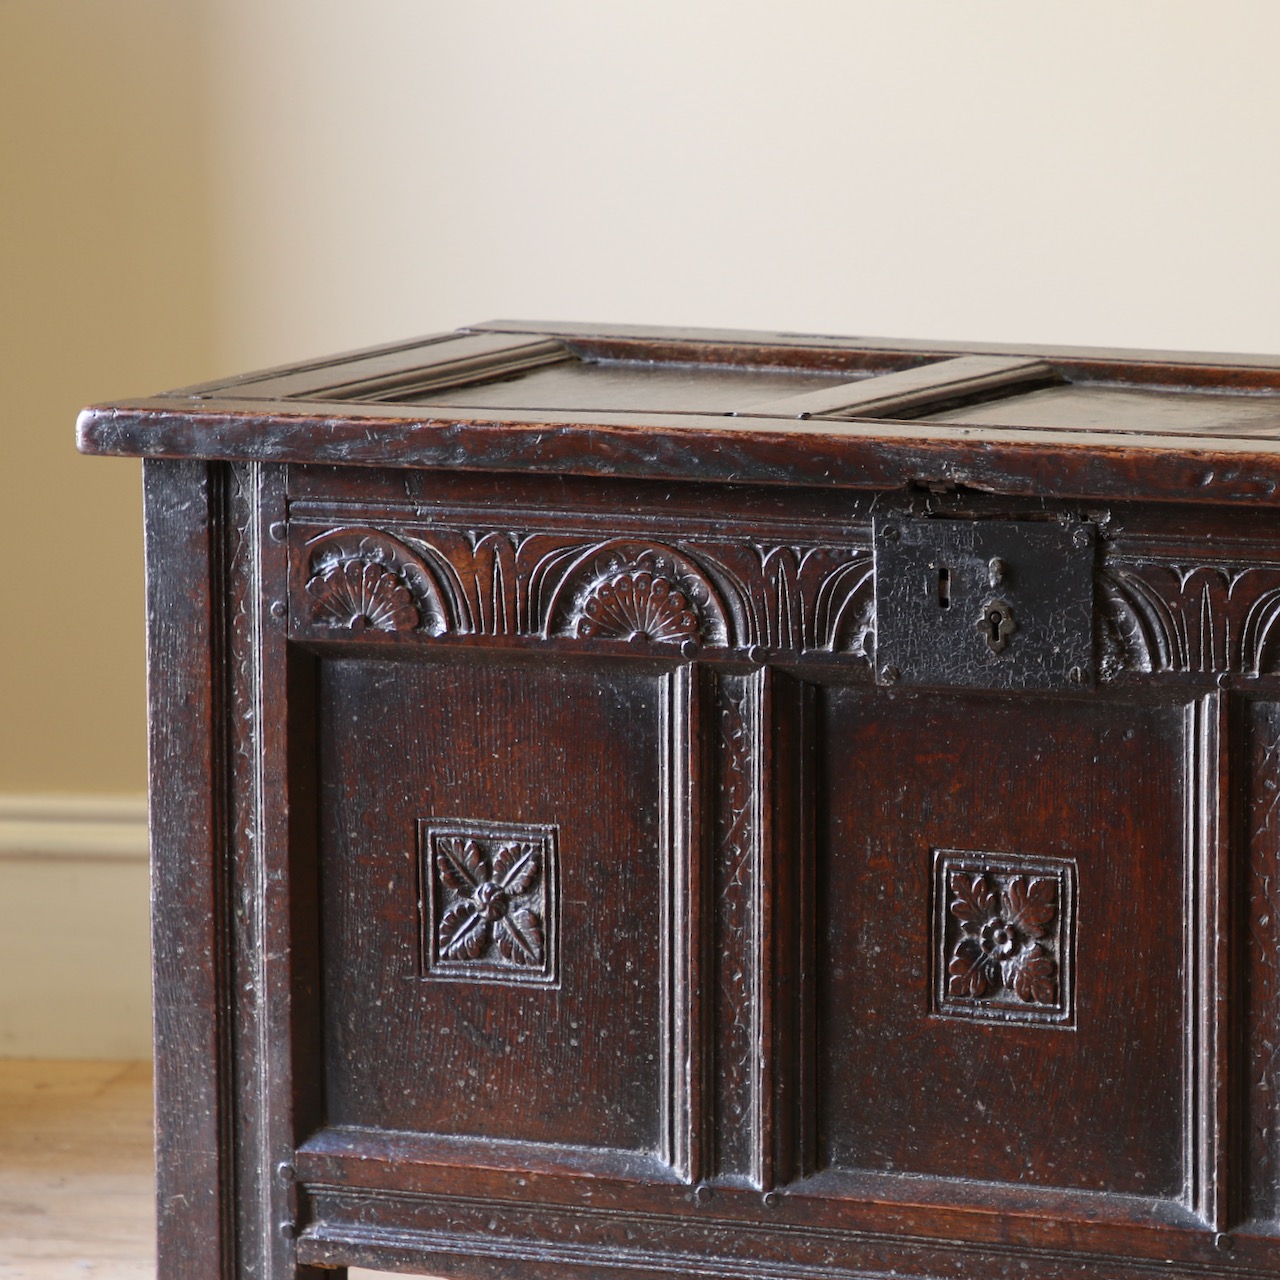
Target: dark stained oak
[[625, 805]]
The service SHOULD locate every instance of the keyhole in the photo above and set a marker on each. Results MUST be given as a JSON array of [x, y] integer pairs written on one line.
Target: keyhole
[[996, 625], [944, 588]]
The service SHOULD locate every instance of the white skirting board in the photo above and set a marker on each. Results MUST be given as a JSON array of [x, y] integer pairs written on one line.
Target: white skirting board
[[75, 975]]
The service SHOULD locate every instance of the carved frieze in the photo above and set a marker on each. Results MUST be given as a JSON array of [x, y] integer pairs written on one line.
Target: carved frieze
[[489, 910], [1003, 930], [1164, 617], [709, 593], [1155, 616]]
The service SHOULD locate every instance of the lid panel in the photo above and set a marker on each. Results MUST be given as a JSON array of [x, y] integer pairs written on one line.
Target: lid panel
[[606, 385], [1086, 408]]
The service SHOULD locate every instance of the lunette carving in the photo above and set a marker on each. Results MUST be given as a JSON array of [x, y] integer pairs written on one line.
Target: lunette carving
[[361, 579], [1206, 619], [713, 593], [361, 593], [1003, 936], [637, 604], [624, 590]]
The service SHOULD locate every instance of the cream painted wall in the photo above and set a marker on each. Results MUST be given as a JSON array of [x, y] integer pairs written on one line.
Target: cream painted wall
[[193, 188], [1088, 172], [104, 291]]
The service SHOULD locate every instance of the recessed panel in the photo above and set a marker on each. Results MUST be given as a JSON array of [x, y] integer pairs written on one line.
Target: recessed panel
[[647, 386], [1002, 948], [492, 884]]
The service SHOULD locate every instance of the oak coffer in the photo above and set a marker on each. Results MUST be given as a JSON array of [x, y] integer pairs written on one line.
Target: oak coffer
[[640, 803]]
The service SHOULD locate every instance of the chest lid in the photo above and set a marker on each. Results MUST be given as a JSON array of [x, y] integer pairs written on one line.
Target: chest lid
[[748, 407]]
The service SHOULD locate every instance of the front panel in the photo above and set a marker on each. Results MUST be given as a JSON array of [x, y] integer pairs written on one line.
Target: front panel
[[492, 867], [1003, 987]]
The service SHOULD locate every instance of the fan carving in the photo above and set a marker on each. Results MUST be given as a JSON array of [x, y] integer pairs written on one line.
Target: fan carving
[[638, 604], [362, 594]]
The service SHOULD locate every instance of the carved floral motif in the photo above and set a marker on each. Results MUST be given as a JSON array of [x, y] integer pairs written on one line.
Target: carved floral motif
[[488, 904], [637, 604], [1003, 940], [360, 594], [489, 901], [1000, 938]]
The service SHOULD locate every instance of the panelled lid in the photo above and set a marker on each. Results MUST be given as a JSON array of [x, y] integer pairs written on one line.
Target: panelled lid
[[747, 407]]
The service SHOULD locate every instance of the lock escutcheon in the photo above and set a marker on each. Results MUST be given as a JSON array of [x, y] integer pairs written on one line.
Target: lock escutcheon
[[996, 625], [996, 604]]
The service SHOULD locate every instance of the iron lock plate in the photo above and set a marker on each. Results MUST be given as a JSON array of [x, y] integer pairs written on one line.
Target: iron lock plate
[[984, 604]]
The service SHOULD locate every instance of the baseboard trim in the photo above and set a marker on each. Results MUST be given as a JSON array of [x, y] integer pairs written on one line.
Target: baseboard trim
[[111, 828]]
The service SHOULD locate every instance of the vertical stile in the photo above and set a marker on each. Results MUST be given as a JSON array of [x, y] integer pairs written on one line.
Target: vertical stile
[[732, 747], [685, 1049], [1209, 922], [191, 900], [786, 933]]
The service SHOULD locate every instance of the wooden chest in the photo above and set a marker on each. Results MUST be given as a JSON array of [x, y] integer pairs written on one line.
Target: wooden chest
[[651, 803]]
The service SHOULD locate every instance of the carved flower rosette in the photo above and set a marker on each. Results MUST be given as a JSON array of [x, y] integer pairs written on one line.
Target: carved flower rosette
[[490, 911], [490, 908], [1003, 934], [1000, 938]]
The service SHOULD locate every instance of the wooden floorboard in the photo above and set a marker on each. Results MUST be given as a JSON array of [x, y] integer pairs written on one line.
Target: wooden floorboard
[[77, 1177], [76, 1172]]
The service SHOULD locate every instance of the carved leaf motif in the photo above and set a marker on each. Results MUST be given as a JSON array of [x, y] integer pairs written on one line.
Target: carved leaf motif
[[461, 865], [969, 970], [975, 901], [464, 932], [520, 937], [1030, 905], [1035, 976], [1004, 938], [516, 867], [491, 898]]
